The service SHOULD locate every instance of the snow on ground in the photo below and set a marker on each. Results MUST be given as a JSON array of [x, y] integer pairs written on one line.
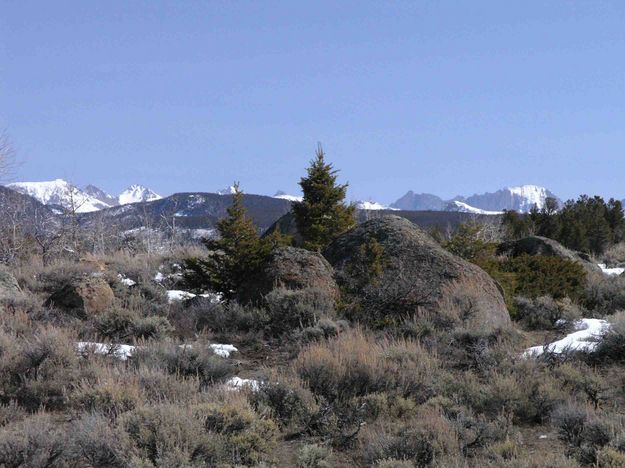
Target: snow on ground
[[223, 350], [123, 352], [60, 192], [237, 383], [611, 271], [177, 296], [126, 281], [584, 339], [119, 351], [159, 277]]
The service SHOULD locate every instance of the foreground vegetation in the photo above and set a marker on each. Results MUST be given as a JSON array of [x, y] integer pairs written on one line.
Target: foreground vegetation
[[330, 381]]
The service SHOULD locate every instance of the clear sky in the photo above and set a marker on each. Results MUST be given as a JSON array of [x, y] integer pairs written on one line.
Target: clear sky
[[447, 97]]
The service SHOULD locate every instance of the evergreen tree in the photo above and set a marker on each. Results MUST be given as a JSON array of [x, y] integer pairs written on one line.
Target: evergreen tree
[[322, 214], [236, 257]]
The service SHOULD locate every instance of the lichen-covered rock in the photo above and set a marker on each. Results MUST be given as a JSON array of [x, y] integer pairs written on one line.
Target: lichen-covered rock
[[418, 277], [83, 297], [9, 288], [293, 268]]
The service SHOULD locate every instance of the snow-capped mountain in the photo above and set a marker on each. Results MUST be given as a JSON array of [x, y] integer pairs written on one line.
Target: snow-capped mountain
[[227, 191], [60, 192], [372, 205], [464, 208], [137, 194], [100, 194], [285, 196], [520, 198]]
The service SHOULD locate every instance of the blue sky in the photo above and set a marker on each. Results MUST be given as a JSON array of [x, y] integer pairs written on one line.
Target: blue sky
[[451, 97]]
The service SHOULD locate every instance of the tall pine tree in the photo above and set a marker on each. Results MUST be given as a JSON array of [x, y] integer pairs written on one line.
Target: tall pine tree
[[322, 214]]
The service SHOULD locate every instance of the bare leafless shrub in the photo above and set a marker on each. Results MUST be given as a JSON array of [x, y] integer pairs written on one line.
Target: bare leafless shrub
[[36, 442], [96, 442], [196, 360], [355, 364]]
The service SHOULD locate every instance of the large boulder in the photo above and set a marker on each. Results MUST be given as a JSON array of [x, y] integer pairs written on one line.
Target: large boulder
[[418, 277], [83, 297], [536, 245], [295, 269], [8, 285]]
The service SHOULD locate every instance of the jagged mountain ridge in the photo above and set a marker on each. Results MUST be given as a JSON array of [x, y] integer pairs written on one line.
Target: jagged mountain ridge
[[521, 198], [63, 195]]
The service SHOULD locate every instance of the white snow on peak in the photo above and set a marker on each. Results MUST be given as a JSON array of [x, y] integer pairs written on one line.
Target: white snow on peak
[[464, 208], [531, 195], [227, 191], [136, 194], [372, 205], [584, 339], [60, 192], [285, 196]]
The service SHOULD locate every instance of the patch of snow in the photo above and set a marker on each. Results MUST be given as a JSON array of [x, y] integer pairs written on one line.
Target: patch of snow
[[177, 296], [584, 339], [237, 383], [611, 271], [122, 352], [159, 277], [465, 208], [126, 281], [223, 350]]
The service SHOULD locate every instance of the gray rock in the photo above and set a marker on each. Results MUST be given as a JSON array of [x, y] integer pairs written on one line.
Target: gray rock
[[536, 245], [293, 268], [420, 277], [9, 288]]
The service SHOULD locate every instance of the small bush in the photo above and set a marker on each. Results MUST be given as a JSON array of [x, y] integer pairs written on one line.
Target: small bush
[[547, 276], [603, 295], [313, 456], [188, 361], [544, 313], [291, 309], [611, 346], [354, 364], [95, 442], [34, 442], [420, 440]]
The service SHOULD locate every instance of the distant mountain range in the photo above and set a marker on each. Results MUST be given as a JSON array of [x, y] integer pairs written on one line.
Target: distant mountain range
[[62, 195], [522, 199]]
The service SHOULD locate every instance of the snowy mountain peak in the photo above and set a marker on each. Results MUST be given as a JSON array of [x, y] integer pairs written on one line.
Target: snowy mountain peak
[[227, 191], [137, 194], [60, 192], [462, 207], [285, 196], [372, 205], [530, 196]]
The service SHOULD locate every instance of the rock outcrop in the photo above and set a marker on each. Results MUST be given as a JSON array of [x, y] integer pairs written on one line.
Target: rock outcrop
[[536, 245], [419, 277], [293, 268], [83, 297], [9, 288]]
